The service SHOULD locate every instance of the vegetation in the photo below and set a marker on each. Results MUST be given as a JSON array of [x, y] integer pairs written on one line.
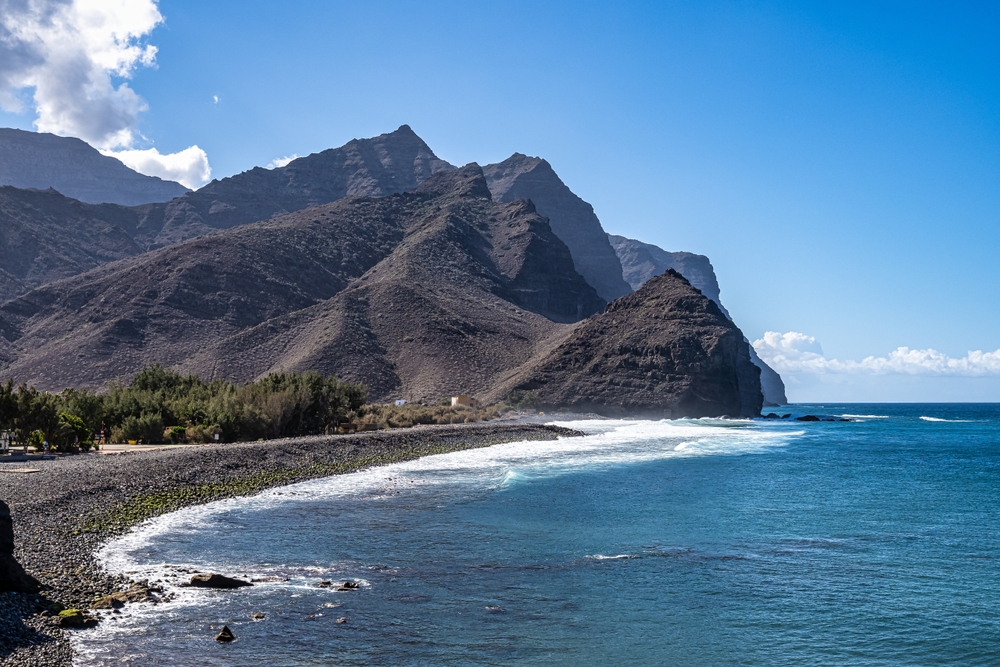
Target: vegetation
[[410, 414], [159, 405]]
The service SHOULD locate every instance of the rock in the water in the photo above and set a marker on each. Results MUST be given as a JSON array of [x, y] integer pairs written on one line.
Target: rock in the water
[[226, 635], [324, 584], [216, 581], [135, 593], [665, 351], [348, 586], [808, 418], [257, 616], [74, 618], [12, 575]]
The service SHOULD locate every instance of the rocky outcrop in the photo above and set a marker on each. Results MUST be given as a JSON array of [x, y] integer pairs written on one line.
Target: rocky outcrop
[[664, 351], [75, 169], [216, 581], [12, 575], [572, 219], [641, 261]]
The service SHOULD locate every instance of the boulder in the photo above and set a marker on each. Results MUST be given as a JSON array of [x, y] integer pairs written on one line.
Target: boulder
[[216, 581], [74, 618], [808, 418], [12, 575], [226, 635]]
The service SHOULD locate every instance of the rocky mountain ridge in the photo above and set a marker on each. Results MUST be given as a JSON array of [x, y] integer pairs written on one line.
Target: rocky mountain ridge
[[36, 160]]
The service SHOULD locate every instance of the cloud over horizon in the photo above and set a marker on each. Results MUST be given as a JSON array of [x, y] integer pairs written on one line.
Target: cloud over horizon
[[67, 59], [797, 352]]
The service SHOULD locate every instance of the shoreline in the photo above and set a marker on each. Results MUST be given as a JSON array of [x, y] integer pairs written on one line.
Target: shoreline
[[73, 505]]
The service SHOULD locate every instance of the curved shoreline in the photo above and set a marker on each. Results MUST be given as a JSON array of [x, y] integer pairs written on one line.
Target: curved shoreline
[[65, 512]]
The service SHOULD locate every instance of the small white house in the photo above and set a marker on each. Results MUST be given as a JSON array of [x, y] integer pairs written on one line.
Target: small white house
[[400, 402]]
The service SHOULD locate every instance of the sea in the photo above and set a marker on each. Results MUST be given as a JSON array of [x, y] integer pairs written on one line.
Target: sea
[[874, 541]]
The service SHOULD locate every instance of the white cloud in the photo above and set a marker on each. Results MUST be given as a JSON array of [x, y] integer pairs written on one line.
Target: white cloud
[[189, 167], [282, 161], [69, 57], [796, 352]]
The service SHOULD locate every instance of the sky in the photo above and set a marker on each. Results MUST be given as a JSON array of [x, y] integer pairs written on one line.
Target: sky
[[839, 162]]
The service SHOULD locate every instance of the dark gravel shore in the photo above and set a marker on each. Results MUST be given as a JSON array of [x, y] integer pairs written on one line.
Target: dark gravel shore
[[64, 513]]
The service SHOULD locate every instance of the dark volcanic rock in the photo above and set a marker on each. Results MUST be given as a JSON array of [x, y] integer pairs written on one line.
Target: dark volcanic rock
[[572, 219], [641, 261], [216, 581], [75, 169], [226, 635], [12, 575], [664, 351]]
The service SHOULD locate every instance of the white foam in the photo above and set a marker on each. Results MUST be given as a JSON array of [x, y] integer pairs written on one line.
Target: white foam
[[947, 421], [607, 443], [867, 416]]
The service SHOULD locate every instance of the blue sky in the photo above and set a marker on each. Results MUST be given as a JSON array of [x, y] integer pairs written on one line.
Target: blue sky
[[838, 162]]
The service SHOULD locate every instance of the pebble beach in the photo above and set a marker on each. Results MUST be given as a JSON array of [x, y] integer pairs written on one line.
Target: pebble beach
[[64, 512]]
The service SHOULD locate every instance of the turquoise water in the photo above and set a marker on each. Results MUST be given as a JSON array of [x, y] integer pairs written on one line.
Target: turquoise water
[[875, 542]]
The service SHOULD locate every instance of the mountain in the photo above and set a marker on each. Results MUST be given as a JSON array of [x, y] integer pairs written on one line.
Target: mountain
[[642, 261], [421, 294], [45, 236], [664, 351], [572, 219], [384, 165], [72, 167]]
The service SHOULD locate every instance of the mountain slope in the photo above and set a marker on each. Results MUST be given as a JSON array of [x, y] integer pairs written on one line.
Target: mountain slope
[[642, 261], [572, 219], [664, 351], [75, 169], [384, 165], [429, 292], [45, 236]]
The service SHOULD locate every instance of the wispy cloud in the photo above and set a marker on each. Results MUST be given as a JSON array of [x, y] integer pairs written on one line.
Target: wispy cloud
[[282, 161], [71, 59], [796, 352]]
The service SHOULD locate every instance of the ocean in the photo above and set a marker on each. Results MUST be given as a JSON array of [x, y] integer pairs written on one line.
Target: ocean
[[688, 542]]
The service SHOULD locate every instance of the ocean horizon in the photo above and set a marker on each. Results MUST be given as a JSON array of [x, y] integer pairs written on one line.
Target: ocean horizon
[[698, 542]]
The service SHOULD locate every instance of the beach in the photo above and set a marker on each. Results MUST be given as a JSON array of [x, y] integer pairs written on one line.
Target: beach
[[64, 512]]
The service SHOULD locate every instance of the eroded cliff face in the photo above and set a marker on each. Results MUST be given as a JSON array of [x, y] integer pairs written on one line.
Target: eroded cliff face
[[664, 351], [12, 575], [75, 169], [572, 219], [641, 261]]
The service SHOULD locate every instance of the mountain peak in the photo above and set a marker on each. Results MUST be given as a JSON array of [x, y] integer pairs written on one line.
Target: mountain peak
[[465, 181]]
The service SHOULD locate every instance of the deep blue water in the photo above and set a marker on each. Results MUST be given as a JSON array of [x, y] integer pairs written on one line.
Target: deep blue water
[[874, 542]]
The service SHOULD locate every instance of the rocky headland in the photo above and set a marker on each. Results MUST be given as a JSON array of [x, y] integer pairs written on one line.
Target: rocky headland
[[664, 351], [642, 261]]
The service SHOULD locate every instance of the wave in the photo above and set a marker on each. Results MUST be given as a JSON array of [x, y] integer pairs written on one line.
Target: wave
[[867, 416], [947, 421], [615, 557], [607, 444]]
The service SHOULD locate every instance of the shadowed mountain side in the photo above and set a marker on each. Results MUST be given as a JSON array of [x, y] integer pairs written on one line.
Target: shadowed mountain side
[[572, 219], [664, 351], [437, 263], [72, 167], [384, 165], [641, 261], [469, 295], [45, 236], [167, 305]]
